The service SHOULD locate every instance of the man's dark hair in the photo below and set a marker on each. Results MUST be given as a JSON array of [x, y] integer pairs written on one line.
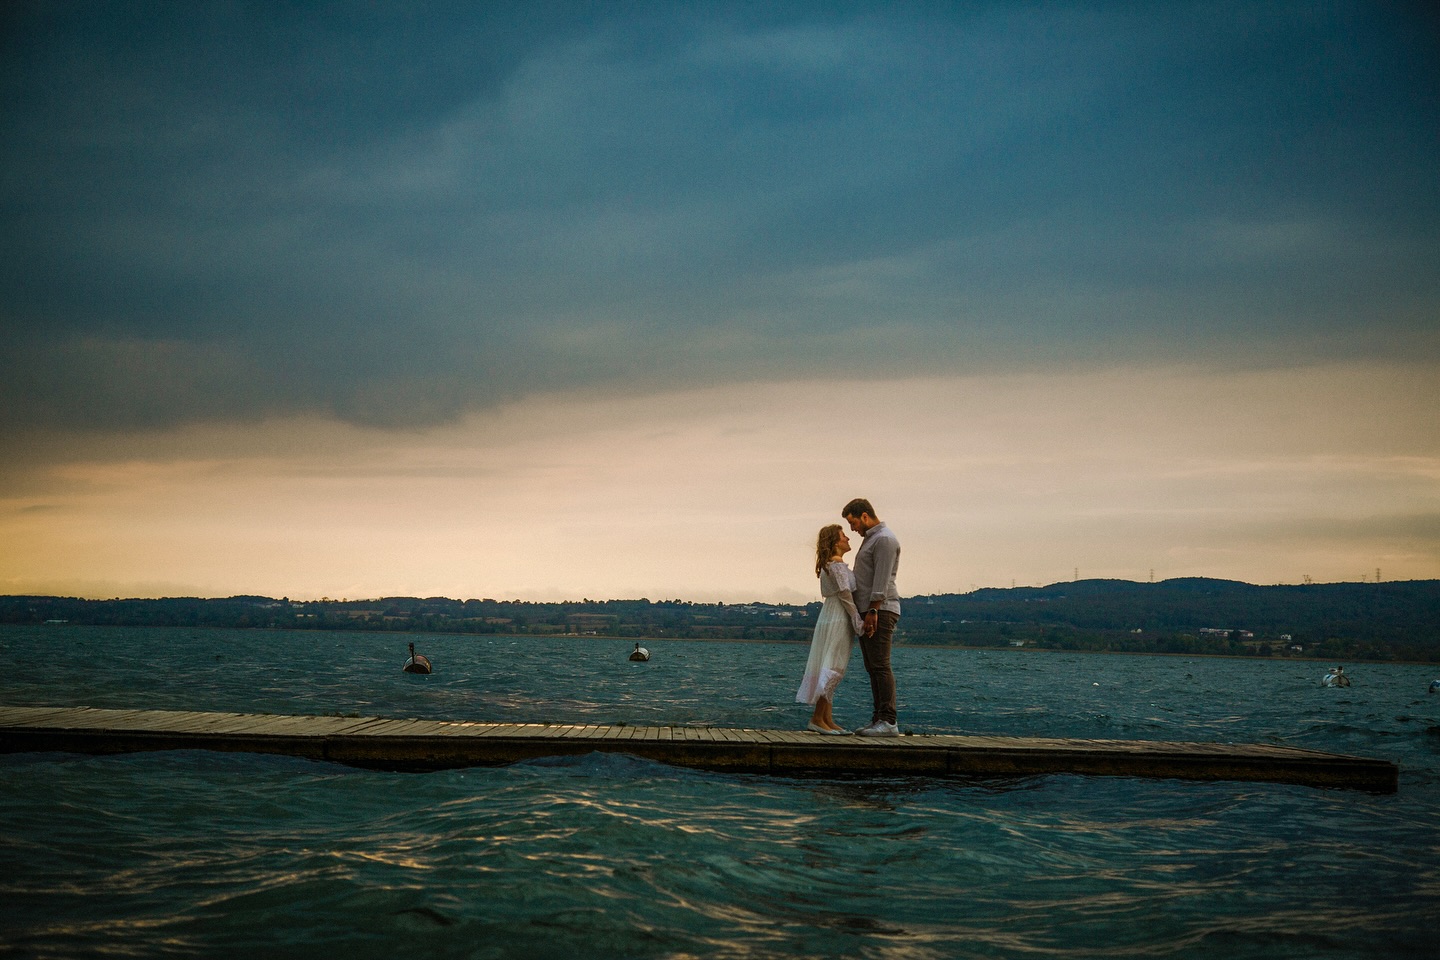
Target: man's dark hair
[[858, 506]]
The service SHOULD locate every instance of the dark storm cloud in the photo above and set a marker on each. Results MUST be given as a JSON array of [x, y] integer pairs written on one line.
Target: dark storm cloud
[[235, 211]]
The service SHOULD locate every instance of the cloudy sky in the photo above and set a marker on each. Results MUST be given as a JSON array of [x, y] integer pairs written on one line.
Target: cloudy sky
[[562, 300]]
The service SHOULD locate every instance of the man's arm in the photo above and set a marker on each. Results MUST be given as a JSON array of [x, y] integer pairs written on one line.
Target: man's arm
[[886, 555]]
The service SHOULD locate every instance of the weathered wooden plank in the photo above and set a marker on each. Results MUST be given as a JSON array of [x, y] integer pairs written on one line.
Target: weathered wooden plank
[[496, 730], [183, 722], [524, 730], [87, 718], [464, 728], [19, 716], [766, 736], [397, 727], [281, 726], [422, 728], [190, 720], [247, 726], [96, 719], [231, 723], [545, 730]]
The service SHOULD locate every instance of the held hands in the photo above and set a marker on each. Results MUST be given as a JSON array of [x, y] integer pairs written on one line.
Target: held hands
[[872, 620]]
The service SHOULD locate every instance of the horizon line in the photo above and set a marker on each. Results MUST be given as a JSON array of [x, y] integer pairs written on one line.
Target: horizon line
[[713, 603]]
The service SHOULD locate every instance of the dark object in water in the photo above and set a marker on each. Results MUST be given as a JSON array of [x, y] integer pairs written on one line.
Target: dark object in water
[[418, 662], [1335, 678], [640, 654], [1434, 686]]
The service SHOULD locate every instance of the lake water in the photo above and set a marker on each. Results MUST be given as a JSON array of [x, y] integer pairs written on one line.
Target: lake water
[[202, 854]]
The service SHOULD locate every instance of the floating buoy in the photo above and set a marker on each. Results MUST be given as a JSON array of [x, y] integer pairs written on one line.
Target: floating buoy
[[1435, 686], [639, 654], [1335, 678], [418, 662]]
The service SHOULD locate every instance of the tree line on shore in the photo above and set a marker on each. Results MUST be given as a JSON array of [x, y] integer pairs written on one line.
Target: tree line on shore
[[1339, 621]]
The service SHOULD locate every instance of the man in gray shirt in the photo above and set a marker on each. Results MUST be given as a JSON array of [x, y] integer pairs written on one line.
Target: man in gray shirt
[[876, 563]]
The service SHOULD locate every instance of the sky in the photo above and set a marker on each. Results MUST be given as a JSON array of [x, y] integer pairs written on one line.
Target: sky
[[554, 301]]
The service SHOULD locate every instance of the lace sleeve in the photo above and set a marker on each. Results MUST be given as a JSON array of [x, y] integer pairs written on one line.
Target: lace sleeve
[[845, 580]]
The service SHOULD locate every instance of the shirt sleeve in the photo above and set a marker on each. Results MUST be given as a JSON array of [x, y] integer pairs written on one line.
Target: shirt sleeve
[[886, 555]]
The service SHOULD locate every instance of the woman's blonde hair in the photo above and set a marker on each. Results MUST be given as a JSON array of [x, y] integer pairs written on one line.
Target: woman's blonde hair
[[825, 545]]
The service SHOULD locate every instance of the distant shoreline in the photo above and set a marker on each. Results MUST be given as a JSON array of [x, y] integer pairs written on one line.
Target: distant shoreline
[[1395, 621]]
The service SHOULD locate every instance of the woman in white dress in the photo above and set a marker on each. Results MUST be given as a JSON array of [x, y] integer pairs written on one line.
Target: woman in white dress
[[835, 629]]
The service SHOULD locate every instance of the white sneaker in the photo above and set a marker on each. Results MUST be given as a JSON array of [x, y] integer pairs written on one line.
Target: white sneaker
[[880, 728]]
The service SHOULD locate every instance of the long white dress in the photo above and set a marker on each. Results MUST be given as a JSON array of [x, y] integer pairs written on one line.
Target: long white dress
[[834, 638]]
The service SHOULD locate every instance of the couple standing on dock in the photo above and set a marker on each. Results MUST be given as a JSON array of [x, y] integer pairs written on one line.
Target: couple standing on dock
[[871, 584]]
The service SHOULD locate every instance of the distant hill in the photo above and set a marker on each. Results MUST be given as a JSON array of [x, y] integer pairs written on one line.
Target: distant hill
[[1370, 620], [1397, 609], [1343, 621]]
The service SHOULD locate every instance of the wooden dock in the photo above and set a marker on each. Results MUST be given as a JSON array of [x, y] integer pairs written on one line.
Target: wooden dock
[[440, 744]]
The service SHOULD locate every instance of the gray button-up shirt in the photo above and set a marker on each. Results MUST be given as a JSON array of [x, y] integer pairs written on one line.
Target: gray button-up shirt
[[876, 563]]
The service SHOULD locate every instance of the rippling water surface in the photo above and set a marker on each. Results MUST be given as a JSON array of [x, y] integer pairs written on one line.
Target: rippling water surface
[[193, 853]]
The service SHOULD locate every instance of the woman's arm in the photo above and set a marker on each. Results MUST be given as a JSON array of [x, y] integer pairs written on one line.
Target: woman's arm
[[847, 600]]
